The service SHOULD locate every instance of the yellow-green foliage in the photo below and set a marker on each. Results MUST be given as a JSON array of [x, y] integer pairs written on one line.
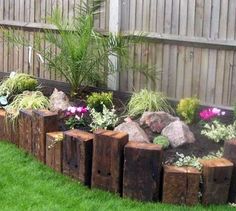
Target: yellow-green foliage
[[26, 100], [97, 100], [187, 109], [17, 83], [146, 100]]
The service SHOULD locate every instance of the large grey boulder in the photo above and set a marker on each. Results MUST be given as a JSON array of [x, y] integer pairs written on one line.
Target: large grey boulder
[[178, 134], [58, 101], [156, 121], [136, 133]]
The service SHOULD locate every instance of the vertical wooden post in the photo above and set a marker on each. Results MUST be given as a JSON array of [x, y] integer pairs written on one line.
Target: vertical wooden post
[[25, 130], [114, 28], [142, 171], [230, 153], [77, 155], [108, 158], [54, 151], [3, 135], [216, 176], [180, 185], [44, 121]]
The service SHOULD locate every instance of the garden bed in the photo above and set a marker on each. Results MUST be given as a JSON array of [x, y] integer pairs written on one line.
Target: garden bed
[[109, 160], [108, 171], [202, 147]]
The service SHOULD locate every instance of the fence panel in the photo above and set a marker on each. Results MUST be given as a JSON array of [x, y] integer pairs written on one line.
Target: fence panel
[[191, 46]]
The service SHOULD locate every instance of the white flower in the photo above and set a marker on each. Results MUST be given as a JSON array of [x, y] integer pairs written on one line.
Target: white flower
[[79, 109], [216, 111], [73, 110], [77, 117]]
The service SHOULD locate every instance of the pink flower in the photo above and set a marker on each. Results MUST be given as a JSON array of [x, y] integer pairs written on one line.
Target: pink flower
[[84, 110], [79, 109], [210, 113]]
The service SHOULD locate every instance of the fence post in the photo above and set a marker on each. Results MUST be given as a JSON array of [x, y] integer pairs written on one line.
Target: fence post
[[114, 27]]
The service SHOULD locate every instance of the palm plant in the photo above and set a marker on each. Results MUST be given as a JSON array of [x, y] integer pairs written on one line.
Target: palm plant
[[83, 55]]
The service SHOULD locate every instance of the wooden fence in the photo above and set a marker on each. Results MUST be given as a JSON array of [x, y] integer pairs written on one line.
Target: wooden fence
[[191, 43]]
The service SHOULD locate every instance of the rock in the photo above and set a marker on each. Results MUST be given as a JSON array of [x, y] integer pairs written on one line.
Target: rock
[[3, 101], [58, 101], [136, 133], [156, 121], [178, 134]]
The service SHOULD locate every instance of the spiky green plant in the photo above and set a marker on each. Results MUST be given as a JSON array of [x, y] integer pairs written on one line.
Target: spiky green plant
[[26, 100], [146, 100], [84, 54], [17, 83]]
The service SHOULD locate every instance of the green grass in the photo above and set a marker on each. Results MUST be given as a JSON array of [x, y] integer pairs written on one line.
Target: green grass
[[25, 184]]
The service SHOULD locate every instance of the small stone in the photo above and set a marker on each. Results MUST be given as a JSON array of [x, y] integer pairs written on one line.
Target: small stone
[[136, 133], [156, 121], [3, 101], [178, 134], [58, 101]]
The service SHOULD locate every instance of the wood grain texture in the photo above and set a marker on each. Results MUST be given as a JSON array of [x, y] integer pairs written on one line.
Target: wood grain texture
[[217, 175], [180, 185], [44, 121], [142, 171], [26, 130], [54, 151], [77, 155], [108, 158], [3, 135], [230, 154]]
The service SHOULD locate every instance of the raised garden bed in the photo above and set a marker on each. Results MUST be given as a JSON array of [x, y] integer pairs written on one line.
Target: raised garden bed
[[120, 162], [116, 164]]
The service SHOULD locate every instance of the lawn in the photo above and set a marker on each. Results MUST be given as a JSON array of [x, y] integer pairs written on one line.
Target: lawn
[[25, 184]]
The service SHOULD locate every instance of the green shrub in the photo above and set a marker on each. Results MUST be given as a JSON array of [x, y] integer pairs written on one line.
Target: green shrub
[[163, 141], [26, 100], [106, 119], [97, 100], [187, 109], [146, 100], [217, 131], [17, 83]]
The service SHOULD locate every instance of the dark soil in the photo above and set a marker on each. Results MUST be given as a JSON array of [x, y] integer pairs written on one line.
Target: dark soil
[[202, 146]]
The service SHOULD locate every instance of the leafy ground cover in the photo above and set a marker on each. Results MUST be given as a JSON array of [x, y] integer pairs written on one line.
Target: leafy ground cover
[[25, 184]]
